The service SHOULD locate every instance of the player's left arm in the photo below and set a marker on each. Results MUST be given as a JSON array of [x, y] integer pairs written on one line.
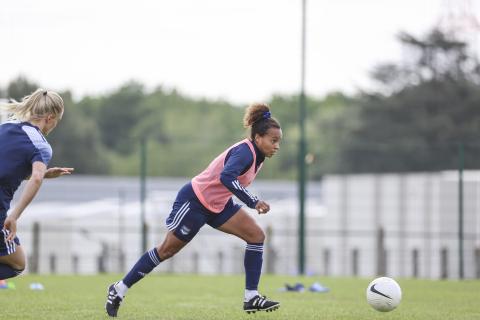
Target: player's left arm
[[239, 160], [42, 151]]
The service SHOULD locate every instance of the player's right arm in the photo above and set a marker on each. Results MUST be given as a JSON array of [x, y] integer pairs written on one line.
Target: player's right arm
[[262, 207], [31, 188]]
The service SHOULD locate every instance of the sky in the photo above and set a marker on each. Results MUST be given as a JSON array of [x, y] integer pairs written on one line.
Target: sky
[[236, 50]]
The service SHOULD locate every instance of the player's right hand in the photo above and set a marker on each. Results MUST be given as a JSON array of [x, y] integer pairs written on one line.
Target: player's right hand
[[262, 207], [10, 224]]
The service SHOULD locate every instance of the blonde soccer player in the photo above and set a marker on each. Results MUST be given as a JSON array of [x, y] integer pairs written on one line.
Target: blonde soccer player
[[24, 154]]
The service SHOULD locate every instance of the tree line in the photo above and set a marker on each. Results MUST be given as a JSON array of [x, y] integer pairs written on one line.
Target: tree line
[[422, 115]]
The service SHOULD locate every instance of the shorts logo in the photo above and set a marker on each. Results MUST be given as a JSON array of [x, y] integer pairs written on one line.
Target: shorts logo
[[185, 230]]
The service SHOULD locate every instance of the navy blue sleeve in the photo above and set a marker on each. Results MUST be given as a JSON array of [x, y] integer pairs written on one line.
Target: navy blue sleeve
[[237, 162], [42, 151]]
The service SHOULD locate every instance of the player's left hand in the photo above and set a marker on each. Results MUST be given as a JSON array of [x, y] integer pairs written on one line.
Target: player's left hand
[[57, 172], [262, 207]]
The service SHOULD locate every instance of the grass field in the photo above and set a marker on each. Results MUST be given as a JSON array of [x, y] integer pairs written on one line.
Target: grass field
[[220, 297]]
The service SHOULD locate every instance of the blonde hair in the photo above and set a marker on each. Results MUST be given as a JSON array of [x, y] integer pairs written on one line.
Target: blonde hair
[[36, 106]]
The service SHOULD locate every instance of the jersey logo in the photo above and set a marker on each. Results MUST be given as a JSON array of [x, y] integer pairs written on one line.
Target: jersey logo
[[185, 230]]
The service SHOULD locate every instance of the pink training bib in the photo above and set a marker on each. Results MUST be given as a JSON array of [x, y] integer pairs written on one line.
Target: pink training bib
[[210, 190]]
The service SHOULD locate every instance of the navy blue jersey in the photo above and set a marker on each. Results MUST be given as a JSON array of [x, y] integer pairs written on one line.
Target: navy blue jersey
[[21, 144], [238, 160]]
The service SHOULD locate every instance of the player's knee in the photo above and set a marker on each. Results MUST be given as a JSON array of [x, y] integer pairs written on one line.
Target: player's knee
[[18, 266], [261, 236], [256, 236]]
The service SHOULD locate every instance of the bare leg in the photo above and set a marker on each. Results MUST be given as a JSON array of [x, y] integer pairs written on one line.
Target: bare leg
[[13, 264], [170, 246], [147, 262], [244, 226], [15, 260]]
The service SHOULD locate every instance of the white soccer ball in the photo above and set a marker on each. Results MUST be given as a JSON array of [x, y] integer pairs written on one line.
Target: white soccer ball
[[384, 294]]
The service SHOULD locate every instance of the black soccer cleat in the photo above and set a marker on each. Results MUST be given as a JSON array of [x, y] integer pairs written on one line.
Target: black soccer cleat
[[113, 301], [260, 303]]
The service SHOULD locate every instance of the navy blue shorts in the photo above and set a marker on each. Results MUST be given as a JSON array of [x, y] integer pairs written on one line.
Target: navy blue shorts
[[189, 215], [7, 247]]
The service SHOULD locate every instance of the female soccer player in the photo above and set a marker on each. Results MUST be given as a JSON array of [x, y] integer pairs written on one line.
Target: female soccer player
[[24, 154], [207, 199]]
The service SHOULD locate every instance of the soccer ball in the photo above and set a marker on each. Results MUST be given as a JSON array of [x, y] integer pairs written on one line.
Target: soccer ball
[[384, 294]]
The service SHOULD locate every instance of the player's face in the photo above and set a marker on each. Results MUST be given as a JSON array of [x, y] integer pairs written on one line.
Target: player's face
[[269, 143]]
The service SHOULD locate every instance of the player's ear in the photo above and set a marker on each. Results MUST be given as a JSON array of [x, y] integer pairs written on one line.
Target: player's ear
[[257, 137]]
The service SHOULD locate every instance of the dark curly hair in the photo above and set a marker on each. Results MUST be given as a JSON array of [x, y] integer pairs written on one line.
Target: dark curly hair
[[258, 118]]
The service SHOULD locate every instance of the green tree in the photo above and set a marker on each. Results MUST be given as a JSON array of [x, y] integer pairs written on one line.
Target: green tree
[[118, 115], [424, 110], [20, 87], [76, 141]]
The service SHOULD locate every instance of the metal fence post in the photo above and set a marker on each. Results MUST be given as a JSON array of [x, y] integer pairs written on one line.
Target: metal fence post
[[35, 257]]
